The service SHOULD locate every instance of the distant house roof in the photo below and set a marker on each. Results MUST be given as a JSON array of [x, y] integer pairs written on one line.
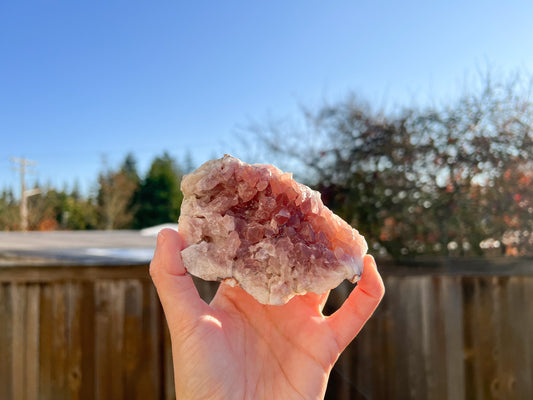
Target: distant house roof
[[80, 247], [154, 230]]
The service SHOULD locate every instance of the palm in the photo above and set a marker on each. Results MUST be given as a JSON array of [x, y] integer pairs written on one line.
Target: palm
[[292, 342], [237, 348]]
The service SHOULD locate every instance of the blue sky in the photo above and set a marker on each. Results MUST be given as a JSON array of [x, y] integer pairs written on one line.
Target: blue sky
[[83, 80]]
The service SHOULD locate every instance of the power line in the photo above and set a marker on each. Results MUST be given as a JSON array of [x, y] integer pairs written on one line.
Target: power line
[[22, 168]]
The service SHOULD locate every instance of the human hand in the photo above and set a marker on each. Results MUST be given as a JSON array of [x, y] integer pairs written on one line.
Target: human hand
[[238, 348]]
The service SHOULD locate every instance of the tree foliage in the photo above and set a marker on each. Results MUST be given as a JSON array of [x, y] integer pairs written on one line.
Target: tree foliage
[[60, 209], [115, 195], [451, 179], [9, 211], [122, 200], [159, 197], [423, 181]]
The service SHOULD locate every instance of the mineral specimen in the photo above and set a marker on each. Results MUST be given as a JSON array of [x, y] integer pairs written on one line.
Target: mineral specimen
[[254, 226]]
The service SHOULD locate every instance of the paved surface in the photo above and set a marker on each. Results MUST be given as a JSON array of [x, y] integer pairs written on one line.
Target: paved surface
[[86, 247]]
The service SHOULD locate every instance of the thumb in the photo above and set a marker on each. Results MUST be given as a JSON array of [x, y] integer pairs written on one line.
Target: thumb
[[347, 321], [179, 297]]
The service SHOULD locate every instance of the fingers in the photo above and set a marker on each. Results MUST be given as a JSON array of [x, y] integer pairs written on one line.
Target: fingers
[[357, 309], [179, 297]]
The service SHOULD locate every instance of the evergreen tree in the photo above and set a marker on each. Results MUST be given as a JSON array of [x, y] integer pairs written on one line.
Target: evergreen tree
[[9, 211], [129, 168], [159, 198]]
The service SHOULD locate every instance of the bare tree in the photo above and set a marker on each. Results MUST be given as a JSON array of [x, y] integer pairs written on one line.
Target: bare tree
[[420, 180]]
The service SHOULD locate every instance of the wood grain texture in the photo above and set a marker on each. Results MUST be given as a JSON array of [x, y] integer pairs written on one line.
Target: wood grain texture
[[85, 333], [6, 339]]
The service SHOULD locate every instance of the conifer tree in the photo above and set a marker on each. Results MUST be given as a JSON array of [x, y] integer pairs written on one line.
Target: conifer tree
[[159, 198]]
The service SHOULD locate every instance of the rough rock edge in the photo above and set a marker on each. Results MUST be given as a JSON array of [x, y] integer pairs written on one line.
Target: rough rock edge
[[197, 258]]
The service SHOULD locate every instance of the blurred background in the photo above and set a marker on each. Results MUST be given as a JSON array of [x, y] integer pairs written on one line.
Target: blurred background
[[413, 120]]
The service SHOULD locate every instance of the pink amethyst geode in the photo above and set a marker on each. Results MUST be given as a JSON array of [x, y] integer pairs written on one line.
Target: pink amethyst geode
[[254, 226]]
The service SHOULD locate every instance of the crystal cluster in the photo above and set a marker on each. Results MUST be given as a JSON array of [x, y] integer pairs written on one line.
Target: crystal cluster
[[254, 226]]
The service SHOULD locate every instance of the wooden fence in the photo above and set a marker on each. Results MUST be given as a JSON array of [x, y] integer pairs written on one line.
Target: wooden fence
[[89, 332]]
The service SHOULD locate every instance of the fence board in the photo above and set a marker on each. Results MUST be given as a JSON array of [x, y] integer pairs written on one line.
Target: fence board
[[102, 334], [74, 297], [87, 340], [46, 331], [389, 360], [415, 339], [453, 344], [59, 342], [528, 326], [6, 339], [18, 294], [469, 314], [487, 340], [520, 295], [153, 320], [394, 289], [379, 381], [31, 378], [109, 323], [132, 355], [432, 339]]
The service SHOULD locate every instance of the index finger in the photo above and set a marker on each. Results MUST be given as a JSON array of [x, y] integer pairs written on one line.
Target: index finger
[[348, 320]]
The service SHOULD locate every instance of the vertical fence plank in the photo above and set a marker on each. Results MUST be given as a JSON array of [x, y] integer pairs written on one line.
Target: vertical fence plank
[[32, 342], [59, 341], [103, 360], [506, 375], [398, 373], [382, 320], [433, 337], [46, 325], [132, 352], [499, 385], [520, 342], [469, 313], [116, 338], [74, 351], [389, 359], [87, 337], [109, 339], [528, 327], [415, 359], [6, 339], [452, 344], [485, 341], [19, 297], [153, 347]]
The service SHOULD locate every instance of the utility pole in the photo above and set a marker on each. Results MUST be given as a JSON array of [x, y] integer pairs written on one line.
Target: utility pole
[[24, 194]]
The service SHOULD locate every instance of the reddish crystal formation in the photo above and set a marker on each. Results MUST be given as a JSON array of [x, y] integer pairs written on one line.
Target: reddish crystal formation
[[254, 226]]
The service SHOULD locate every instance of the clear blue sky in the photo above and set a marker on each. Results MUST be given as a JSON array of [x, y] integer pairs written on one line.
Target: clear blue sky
[[83, 79]]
